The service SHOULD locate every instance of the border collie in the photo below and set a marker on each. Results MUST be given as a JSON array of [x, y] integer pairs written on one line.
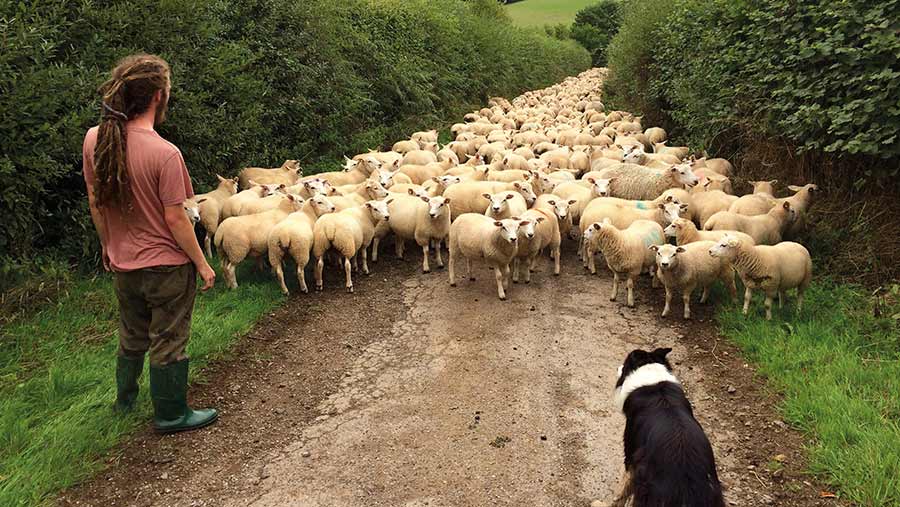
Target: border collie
[[668, 459]]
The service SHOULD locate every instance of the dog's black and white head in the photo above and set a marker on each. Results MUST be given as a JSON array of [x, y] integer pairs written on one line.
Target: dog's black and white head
[[640, 369]]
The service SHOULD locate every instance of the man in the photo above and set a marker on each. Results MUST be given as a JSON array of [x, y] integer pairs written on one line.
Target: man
[[136, 184]]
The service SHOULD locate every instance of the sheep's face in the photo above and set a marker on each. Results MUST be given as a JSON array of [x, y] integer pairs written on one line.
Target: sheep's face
[[684, 175], [672, 209], [634, 155], [432, 147], [675, 227], [386, 178], [192, 210], [379, 209], [509, 229], [499, 201], [725, 247], [317, 186], [437, 206], [525, 191], [667, 255], [322, 204], [376, 190], [561, 207], [542, 180], [446, 181], [349, 165], [601, 186]]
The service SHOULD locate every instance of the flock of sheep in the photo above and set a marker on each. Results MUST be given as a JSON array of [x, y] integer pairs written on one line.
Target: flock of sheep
[[518, 179]]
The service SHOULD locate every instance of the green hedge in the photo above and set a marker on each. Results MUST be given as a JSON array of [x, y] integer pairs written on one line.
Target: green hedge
[[823, 75], [595, 26], [254, 82]]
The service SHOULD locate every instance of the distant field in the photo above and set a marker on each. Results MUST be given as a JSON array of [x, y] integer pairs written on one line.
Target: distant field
[[545, 12]]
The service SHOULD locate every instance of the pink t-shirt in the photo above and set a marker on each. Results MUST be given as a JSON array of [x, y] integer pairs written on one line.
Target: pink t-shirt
[[141, 238]]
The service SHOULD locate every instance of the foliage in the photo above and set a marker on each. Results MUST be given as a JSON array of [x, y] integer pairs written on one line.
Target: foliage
[[838, 365], [823, 75], [595, 27], [254, 82]]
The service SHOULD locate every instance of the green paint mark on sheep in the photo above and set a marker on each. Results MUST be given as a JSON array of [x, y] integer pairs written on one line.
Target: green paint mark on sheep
[[653, 238], [640, 205]]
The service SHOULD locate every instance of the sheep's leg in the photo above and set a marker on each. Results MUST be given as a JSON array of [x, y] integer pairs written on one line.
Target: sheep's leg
[[629, 284], [348, 273], [556, 255], [207, 242], [515, 270], [279, 273], [799, 299], [301, 279], [591, 261], [748, 296], [654, 280], [728, 280], [769, 298], [705, 295], [425, 267], [469, 270], [437, 253], [686, 297], [451, 268], [506, 276], [615, 287], [230, 275], [356, 262], [498, 274], [781, 297], [320, 264], [375, 242], [365, 263]]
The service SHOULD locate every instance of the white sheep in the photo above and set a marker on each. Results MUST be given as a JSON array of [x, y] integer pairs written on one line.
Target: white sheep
[[238, 237], [689, 267], [474, 236], [423, 219], [773, 269], [539, 229], [210, 204], [504, 205], [287, 174], [684, 231], [468, 196], [800, 202], [404, 147], [626, 251], [349, 232], [759, 202], [622, 212], [419, 157], [294, 235], [707, 202], [233, 205], [765, 229], [639, 182], [355, 171], [424, 137]]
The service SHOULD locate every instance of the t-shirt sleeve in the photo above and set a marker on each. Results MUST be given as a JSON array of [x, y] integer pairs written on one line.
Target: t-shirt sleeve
[[174, 181]]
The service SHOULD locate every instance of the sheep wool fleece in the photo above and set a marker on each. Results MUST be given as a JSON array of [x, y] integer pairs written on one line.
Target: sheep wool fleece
[[155, 309]]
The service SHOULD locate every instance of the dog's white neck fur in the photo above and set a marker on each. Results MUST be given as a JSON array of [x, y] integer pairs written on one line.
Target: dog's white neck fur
[[646, 375]]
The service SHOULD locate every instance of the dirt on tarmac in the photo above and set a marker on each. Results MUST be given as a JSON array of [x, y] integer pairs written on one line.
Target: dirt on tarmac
[[413, 393]]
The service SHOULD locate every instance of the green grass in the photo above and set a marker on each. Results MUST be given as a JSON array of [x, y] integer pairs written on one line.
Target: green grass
[[57, 379], [545, 12], [839, 369]]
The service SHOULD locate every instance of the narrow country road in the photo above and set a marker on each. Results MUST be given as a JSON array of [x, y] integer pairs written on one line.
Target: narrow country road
[[447, 397]]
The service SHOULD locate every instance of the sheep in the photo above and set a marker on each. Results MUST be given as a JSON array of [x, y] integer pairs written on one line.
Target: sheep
[[388, 178], [514, 161], [720, 166], [380, 157], [580, 195], [474, 236], [655, 135], [232, 206], [626, 251], [447, 155], [638, 182], [623, 213], [238, 237], [764, 229], [294, 235], [260, 205], [757, 203], [191, 210], [507, 176], [684, 231], [428, 136], [467, 197], [210, 208], [349, 232], [426, 220], [504, 205], [773, 269], [541, 231], [679, 151], [355, 171], [288, 174], [419, 174], [361, 193], [707, 202], [688, 267], [800, 202], [310, 187], [404, 147]]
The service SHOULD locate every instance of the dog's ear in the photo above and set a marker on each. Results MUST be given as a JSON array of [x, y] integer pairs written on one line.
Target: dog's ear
[[661, 353]]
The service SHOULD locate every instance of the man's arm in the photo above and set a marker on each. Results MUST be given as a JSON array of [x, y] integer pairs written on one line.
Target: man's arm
[[97, 218], [183, 232]]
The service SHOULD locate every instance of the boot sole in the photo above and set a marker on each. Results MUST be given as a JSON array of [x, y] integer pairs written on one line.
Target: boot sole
[[166, 431]]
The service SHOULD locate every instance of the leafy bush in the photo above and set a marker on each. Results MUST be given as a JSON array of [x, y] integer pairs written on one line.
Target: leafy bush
[[823, 75], [254, 82], [595, 27]]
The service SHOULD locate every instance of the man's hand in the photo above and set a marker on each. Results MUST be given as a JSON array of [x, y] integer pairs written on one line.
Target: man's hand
[[207, 275]]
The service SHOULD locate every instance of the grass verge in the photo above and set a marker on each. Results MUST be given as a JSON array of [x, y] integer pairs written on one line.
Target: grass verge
[[545, 12], [838, 365], [57, 379]]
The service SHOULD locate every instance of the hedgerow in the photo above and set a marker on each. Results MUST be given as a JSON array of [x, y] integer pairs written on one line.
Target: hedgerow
[[254, 82], [595, 26]]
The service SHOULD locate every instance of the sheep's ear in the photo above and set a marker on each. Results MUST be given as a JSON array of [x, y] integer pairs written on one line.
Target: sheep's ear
[[281, 187], [202, 199], [253, 183], [655, 248], [221, 178], [517, 185], [572, 201], [794, 188], [683, 207], [540, 219], [551, 203], [708, 182], [523, 223], [498, 223], [410, 191], [772, 182], [509, 196], [786, 205], [813, 187], [680, 250], [369, 205], [423, 197], [596, 225], [661, 206], [389, 201], [486, 196], [436, 179]]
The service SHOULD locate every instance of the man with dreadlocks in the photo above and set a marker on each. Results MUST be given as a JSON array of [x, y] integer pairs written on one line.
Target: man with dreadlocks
[[136, 184]]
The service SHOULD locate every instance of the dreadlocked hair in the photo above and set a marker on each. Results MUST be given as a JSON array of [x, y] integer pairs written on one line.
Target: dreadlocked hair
[[127, 93]]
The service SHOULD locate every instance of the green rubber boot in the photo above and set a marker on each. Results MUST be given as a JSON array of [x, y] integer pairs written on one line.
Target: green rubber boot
[[128, 371], [168, 388]]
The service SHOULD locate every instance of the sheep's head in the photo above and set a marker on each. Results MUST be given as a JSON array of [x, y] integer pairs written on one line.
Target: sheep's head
[[667, 255], [349, 165], [376, 190], [192, 210], [386, 177], [379, 209], [292, 167], [446, 180], [509, 228], [527, 226], [809, 187], [684, 175], [561, 207], [417, 192], [764, 187], [321, 204], [634, 154], [677, 226], [437, 206], [725, 247], [525, 190], [296, 202], [229, 184], [601, 186], [432, 147], [672, 209], [499, 201]]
